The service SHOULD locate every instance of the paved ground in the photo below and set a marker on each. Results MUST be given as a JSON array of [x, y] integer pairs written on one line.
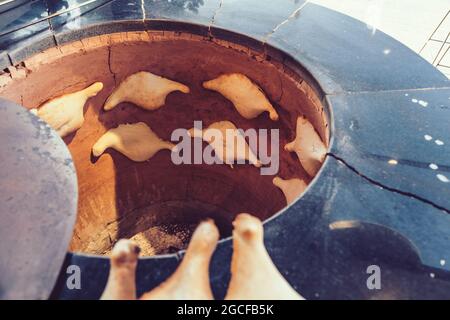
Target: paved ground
[[422, 25]]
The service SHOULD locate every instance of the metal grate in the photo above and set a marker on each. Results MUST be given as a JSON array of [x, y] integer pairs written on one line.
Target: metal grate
[[437, 48]]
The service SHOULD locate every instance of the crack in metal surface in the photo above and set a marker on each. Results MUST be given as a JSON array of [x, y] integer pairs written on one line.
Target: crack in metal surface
[[291, 16], [391, 189], [144, 15], [213, 18], [50, 25]]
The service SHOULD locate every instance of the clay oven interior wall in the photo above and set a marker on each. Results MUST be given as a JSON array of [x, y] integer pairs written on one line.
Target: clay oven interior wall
[[160, 201]]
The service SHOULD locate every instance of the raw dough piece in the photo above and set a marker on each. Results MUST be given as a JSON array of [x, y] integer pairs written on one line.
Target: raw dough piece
[[191, 279], [291, 188], [145, 90], [248, 98], [253, 274], [65, 113], [121, 283], [308, 146], [136, 141], [224, 150]]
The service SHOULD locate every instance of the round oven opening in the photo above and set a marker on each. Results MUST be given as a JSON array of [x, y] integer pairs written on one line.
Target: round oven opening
[[156, 202]]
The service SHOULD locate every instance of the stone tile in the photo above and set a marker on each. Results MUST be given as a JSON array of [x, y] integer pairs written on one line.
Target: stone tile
[[219, 269], [400, 139], [343, 224], [196, 11], [255, 18], [353, 59]]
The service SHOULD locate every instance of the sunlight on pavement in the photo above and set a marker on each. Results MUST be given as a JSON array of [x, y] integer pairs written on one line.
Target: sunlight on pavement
[[423, 26]]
